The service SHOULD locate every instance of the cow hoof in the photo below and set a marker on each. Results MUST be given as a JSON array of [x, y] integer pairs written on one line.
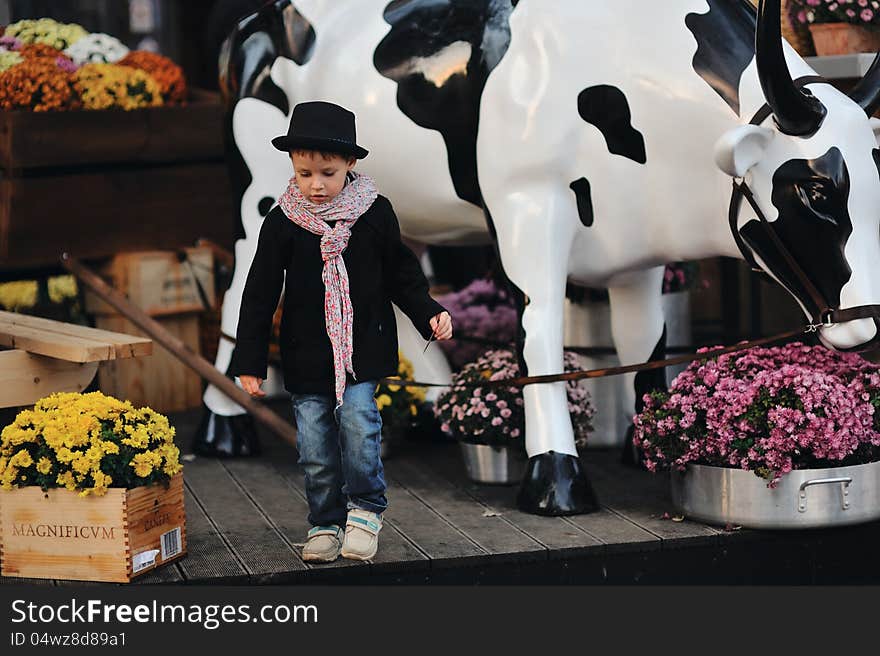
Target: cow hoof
[[222, 436], [556, 484]]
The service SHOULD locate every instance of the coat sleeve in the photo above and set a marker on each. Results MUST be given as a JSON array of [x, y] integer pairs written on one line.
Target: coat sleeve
[[405, 280], [259, 302]]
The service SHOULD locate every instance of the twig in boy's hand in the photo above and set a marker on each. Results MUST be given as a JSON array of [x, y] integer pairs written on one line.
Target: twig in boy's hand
[[431, 339]]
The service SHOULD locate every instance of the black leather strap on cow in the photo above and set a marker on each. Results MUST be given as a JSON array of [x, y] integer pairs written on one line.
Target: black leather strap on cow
[[825, 314]]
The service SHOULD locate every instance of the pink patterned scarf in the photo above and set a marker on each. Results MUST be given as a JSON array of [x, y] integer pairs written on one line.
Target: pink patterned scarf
[[354, 199]]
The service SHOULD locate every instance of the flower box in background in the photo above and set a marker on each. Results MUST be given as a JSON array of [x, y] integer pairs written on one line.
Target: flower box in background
[[844, 38], [97, 183], [115, 537], [30, 140]]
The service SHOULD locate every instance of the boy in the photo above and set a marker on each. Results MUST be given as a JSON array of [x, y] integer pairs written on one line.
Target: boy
[[338, 242]]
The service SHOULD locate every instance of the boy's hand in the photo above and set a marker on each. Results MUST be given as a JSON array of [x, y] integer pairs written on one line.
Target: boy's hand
[[442, 326], [251, 385]]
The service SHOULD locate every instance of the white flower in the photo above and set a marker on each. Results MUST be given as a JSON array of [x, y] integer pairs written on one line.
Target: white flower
[[97, 48]]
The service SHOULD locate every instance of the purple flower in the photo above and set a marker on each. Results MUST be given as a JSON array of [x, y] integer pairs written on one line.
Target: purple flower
[[469, 409], [768, 410]]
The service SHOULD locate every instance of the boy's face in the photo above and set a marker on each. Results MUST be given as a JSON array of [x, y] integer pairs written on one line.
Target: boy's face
[[320, 177]]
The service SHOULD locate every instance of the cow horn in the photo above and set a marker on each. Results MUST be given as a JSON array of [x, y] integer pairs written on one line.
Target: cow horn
[[795, 112], [867, 91]]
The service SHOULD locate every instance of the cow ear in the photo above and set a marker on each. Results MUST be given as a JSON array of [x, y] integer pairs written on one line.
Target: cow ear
[[740, 149], [875, 126]]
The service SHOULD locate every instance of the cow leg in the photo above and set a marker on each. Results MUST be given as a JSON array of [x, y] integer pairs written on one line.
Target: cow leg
[[639, 332], [534, 237], [226, 429]]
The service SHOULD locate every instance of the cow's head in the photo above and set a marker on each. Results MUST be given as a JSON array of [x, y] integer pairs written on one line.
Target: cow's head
[[812, 167]]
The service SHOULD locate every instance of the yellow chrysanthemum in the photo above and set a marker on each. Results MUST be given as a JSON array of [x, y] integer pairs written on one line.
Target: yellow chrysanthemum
[[21, 459], [107, 86], [74, 427], [66, 479], [62, 287], [18, 294]]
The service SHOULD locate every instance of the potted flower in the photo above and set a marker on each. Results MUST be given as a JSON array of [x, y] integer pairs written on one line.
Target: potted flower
[[781, 437], [99, 468], [489, 421], [839, 27], [398, 406]]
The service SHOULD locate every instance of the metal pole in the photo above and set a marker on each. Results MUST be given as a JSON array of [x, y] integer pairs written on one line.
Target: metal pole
[[178, 349]]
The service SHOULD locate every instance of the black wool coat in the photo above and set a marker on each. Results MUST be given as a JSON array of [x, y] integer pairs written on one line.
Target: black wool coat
[[381, 270]]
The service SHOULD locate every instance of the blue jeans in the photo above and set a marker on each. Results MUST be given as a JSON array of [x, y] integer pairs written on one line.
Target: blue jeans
[[339, 453]]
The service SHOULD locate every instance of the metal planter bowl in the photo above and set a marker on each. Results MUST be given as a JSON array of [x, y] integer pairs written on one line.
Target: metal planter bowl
[[498, 465], [805, 498]]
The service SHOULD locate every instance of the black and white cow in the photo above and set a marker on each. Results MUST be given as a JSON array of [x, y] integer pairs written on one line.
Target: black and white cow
[[592, 142]]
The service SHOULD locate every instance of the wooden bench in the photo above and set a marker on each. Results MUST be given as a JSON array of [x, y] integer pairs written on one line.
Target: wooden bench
[[48, 356]]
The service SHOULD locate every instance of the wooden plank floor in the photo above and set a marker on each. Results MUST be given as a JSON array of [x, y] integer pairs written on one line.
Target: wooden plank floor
[[246, 522]]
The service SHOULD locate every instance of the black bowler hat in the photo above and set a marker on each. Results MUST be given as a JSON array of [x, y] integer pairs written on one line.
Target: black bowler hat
[[321, 126]]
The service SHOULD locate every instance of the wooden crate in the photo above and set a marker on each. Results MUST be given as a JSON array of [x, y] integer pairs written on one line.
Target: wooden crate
[[98, 213], [115, 537], [97, 183], [158, 282], [30, 140], [159, 381]]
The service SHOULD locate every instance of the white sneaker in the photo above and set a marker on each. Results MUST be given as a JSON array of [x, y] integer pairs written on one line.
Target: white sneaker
[[361, 534], [323, 544]]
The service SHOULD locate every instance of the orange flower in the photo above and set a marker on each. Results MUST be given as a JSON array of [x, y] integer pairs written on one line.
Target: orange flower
[[37, 50], [37, 84], [168, 74]]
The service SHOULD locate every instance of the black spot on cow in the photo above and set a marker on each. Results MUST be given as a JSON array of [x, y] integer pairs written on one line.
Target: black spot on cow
[[247, 55], [725, 38], [440, 53], [581, 189], [246, 58], [265, 204], [814, 225], [606, 107]]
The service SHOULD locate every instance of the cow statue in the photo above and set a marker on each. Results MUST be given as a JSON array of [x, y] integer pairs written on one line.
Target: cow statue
[[591, 142]]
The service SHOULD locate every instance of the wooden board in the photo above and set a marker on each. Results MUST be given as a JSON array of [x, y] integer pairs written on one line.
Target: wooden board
[[255, 542], [644, 499], [209, 557], [58, 534], [97, 214], [156, 134], [160, 381], [555, 533], [68, 341], [26, 378], [490, 529]]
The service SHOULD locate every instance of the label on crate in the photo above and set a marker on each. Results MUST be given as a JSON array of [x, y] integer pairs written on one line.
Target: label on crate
[[143, 560], [170, 543]]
